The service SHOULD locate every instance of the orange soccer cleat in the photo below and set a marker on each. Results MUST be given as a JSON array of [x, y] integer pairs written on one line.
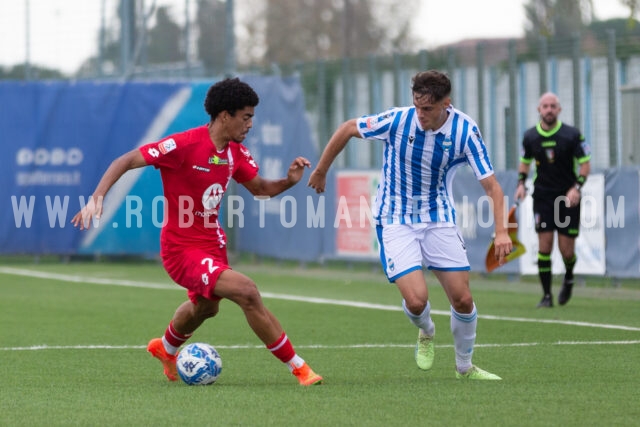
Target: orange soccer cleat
[[306, 376], [156, 348]]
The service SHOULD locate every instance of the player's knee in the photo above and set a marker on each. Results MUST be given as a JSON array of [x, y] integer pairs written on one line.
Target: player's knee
[[206, 308], [463, 303], [211, 311], [247, 294], [415, 305]]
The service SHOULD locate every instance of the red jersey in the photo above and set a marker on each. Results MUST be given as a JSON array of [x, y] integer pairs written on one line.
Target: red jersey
[[195, 176]]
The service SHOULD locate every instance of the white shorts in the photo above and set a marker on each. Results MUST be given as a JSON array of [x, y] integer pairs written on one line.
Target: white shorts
[[407, 247]]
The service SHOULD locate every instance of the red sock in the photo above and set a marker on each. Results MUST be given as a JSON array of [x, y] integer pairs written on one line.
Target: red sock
[[282, 348], [174, 338]]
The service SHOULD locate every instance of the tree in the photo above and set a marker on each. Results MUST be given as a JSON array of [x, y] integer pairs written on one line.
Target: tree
[[164, 39], [160, 44], [19, 72], [634, 7], [284, 31], [621, 27], [557, 18], [268, 31], [211, 23]]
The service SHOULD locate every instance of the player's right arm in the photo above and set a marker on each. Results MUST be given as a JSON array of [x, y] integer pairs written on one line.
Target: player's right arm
[[523, 170], [336, 144], [131, 160]]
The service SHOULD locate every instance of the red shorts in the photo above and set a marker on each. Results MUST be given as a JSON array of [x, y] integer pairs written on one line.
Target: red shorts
[[197, 271]]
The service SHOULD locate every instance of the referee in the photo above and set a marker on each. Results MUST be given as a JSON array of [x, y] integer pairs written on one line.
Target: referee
[[562, 165]]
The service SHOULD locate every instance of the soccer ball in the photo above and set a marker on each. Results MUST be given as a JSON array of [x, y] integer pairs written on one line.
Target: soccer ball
[[199, 364]]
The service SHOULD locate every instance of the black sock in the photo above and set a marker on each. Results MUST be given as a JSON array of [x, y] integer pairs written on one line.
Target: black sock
[[569, 263], [544, 272]]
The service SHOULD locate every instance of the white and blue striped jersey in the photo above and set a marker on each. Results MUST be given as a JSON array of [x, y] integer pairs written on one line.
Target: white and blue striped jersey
[[419, 166]]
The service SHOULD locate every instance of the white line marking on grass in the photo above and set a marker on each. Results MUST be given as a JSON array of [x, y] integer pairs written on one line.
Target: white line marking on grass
[[86, 279], [561, 322], [316, 346], [446, 313], [312, 300], [328, 301]]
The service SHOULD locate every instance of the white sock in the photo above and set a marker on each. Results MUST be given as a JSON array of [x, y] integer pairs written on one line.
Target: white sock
[[168, 347], [463, 328], [296, 362], [423, 320]]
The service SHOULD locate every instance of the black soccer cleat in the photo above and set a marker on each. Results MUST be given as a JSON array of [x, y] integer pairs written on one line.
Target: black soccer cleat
[[565, 292], [545, 302]]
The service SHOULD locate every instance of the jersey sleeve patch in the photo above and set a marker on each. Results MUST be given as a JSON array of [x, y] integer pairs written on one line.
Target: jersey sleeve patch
[[167, 145]]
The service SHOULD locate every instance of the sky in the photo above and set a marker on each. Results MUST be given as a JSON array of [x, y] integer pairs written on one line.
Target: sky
[[64, 32]]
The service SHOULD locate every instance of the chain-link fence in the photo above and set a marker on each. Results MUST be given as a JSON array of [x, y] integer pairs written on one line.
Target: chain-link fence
[[498, 84], [495, 81]]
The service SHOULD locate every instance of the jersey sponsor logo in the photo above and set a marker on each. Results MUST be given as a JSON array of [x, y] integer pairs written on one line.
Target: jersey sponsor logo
[[167, 145], [153, 152], [215, 160], [211, 199], [201, 169]]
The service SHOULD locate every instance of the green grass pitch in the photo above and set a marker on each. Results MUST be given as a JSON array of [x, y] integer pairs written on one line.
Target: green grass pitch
[[74, 336]]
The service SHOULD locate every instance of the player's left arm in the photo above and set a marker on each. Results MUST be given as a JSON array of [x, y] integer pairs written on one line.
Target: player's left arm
[[503, 244], [259, 186], [583, 156], [584, 171]]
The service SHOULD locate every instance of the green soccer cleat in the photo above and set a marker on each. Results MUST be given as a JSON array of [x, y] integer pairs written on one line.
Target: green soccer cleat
[[475, 373], [425, 352]]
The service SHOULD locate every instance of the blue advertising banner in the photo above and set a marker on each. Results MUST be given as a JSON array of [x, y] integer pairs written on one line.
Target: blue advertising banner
[[287, 226], [622, 222], [60, 137], [133, 209]]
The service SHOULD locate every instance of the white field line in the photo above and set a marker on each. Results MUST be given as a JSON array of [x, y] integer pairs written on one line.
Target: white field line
[[321, 347], [313, 300]]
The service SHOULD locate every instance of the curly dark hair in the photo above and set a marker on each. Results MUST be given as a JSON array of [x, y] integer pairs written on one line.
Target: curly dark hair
[[432, 83], [229, 95]]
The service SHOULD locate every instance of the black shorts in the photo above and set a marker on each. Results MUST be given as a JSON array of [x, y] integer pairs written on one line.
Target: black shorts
[[566, 220]]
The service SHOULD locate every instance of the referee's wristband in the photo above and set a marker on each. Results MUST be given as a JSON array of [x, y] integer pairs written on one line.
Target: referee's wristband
[[580, 182], [522, 177]]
